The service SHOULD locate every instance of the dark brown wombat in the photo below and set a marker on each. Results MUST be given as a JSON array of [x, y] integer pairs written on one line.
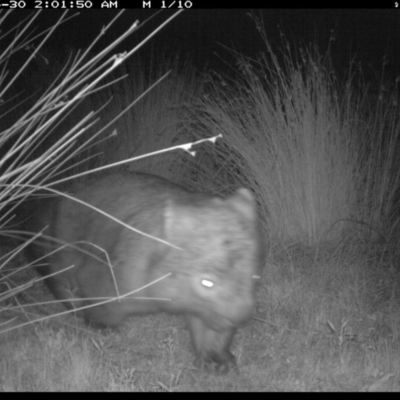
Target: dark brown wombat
[[213, 266]]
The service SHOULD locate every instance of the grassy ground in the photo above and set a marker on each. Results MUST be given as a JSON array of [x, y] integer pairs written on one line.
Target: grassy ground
[[323, 323]]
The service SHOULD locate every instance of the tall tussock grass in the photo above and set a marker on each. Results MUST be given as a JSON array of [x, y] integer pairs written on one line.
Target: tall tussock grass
[[319, 156]]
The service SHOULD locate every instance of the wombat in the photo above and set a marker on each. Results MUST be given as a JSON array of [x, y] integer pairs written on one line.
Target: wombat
[[209, 248]]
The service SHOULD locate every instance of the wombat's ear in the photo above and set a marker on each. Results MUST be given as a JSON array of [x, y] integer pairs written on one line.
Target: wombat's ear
[[243, 201]]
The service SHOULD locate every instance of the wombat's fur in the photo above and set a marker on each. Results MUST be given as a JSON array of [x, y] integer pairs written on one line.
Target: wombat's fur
[[213, 267]]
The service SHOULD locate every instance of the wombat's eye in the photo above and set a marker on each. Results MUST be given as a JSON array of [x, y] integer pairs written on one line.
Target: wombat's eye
[[207, 283]]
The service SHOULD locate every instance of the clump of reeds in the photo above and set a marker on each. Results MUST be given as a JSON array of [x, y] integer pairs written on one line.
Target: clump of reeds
[[27, 165]]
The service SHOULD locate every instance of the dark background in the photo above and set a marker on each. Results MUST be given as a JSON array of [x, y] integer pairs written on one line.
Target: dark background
[[367, 35]]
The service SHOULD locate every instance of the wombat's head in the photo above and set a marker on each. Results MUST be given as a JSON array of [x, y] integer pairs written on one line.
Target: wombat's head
[[221, 258]]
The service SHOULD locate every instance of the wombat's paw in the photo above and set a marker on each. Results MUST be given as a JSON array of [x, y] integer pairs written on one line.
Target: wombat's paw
[[219, 364]]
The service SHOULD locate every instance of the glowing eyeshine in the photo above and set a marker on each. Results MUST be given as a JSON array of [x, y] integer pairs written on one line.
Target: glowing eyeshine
[[207, 283]]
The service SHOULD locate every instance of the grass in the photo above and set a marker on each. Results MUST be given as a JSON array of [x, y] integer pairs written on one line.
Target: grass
[[325, 324], [155, 122], [320, 155]]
